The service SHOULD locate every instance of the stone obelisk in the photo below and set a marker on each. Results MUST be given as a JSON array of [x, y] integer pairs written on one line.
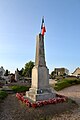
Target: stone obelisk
[[40, 89]]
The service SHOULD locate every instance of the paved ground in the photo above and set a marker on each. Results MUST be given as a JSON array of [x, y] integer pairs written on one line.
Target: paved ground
[[12, 109]]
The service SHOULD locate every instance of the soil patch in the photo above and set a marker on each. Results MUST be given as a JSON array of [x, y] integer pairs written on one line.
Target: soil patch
[[13, 109]]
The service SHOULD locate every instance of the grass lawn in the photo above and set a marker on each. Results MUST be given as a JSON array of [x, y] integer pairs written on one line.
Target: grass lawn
[[17, 88], [3, 94]]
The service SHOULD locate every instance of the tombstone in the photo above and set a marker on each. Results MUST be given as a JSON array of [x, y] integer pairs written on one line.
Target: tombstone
[[17, 75], [40, 89]]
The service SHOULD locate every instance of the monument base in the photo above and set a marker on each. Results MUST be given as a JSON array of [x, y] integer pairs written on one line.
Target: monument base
[[40, 89], [40, 94]]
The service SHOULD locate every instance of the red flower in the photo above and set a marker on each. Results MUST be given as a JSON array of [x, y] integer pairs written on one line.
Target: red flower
[[34, 105], [40, 103], [45, 102], [58, 99], [28, 104]]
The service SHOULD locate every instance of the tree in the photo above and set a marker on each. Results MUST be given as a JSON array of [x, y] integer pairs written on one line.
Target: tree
[[6, 73], [21, 71], [53, 73], [28, 69], [1, 73]]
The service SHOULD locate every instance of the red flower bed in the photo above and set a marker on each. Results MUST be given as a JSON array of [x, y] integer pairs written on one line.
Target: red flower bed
[[58, 99]]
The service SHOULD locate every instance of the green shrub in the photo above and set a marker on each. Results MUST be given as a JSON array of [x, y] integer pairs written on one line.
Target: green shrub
[[20, 88], [66, 83], [78, 81], [61, 85], [72, 82], [3, 94]]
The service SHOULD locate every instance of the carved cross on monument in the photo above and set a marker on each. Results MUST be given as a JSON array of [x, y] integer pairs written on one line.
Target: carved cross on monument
[[40, 89]]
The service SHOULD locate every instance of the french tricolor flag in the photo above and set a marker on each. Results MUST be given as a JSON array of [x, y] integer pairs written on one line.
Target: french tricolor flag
[[43, 29]]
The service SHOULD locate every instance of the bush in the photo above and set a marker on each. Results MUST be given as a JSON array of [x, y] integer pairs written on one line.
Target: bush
[[3, 94], [20, 88], [65, 83], [61, 85]]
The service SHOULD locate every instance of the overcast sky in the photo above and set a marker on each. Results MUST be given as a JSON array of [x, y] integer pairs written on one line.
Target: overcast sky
[[20, 22]]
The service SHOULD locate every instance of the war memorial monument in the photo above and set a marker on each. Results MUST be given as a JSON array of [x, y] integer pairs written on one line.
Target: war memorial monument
[[40, 89]]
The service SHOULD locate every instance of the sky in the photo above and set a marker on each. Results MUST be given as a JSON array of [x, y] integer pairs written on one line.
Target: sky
[[20, 22]]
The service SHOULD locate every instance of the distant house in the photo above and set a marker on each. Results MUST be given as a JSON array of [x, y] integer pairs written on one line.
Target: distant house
[[61, 71], [76, 72], [2, 71]]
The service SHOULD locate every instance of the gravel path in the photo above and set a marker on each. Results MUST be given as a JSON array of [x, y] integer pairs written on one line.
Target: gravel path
[[74, 93], [12, 109]]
